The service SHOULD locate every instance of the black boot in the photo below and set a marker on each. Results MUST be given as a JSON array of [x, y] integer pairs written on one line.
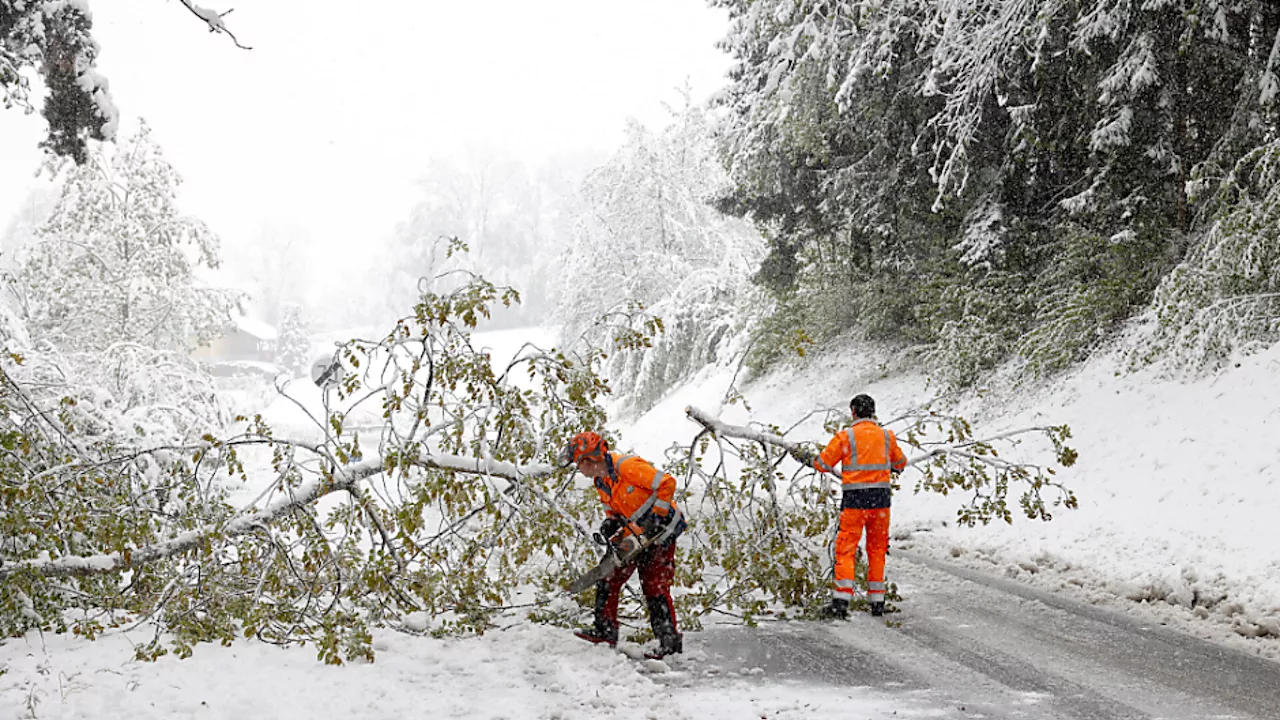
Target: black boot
[[603, 630], [596, 635], [837, 609], [662, 620], [877, 609]]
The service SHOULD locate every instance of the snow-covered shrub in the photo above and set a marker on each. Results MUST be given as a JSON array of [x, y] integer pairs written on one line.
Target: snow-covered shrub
[[783, 333], [130, 394], [967, 349], [1092, 285], [976, 318]]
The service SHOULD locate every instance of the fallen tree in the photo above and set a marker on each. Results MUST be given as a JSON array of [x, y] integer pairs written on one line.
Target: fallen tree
[[442, 502], [424, 496]]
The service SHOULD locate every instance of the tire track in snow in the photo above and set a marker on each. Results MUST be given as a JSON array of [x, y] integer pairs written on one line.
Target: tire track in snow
[[1094, 662]]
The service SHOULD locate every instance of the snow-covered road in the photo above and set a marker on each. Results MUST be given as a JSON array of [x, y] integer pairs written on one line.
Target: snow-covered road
[[971, 645]]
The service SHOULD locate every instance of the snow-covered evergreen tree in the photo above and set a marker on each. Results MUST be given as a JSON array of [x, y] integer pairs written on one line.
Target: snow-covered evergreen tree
[[116, 260], [919, 159], [54, 38]]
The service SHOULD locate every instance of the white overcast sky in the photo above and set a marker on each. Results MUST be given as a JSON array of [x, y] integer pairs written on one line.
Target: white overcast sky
[[324, 126]]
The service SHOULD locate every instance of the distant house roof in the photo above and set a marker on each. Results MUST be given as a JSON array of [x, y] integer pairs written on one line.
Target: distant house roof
[[255, 327]]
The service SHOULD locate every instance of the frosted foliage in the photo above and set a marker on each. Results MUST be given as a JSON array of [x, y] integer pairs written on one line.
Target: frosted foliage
[[966, 349], [1113, 132], [1269, 85], [982, 236], [114, 262], [1224, 298], [970, 59], [124, 396], [647, 235], [854, 44]]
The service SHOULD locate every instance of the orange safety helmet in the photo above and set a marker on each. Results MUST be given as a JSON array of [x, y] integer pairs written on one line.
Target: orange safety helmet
[[586, 446]]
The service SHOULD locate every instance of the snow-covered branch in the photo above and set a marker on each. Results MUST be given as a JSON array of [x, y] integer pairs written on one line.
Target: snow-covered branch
[[213, 19], [719, 427], [961, 463], [714, 424]]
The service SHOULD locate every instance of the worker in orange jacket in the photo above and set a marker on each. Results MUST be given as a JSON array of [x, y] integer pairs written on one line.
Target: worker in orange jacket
[[869, 457], [639, 499]]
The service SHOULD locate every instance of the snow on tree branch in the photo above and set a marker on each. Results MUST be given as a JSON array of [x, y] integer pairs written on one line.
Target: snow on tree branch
[[714, 424], [213, 19]]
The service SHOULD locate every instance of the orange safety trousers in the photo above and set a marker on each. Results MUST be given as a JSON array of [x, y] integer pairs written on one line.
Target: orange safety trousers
[[852, 521]]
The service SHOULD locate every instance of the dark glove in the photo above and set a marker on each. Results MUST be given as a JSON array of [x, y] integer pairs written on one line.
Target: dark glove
[[610, 527]]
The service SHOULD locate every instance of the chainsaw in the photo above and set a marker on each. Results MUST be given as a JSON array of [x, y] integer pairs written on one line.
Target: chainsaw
[[618, 552]]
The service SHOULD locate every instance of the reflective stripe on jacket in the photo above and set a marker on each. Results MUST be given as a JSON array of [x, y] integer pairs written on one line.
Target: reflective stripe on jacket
[[638, 487], [866, 453]]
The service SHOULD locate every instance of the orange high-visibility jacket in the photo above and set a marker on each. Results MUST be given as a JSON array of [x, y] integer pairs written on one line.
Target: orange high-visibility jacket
[[636, 488], [866, 453]]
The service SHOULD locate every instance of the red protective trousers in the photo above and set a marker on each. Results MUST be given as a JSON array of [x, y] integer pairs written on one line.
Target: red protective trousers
[[657, 570], [852, 520]]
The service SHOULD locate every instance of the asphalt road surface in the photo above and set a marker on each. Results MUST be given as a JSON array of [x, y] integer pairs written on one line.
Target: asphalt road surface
[[969, 645]]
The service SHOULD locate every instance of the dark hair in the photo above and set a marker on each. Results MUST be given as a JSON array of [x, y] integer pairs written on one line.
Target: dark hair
[[863, 406]]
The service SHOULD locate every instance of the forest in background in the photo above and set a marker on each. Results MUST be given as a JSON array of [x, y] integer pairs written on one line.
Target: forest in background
[[1010, 180]]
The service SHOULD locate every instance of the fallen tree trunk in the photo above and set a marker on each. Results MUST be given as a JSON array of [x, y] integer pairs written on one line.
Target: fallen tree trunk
[[967, 464], [345, 478], [715, 425]]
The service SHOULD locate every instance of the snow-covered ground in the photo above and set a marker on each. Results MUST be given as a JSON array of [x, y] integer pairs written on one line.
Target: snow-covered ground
[[1177, 492], [520, 672]]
